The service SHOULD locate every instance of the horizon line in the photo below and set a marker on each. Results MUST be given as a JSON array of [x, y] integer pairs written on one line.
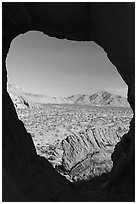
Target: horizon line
[[43, 94]]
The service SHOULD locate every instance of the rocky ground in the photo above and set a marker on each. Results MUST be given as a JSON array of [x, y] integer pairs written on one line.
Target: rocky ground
[[77, 139]]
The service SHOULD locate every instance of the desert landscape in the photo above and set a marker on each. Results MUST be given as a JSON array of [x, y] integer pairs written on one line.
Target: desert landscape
[[76, 134]]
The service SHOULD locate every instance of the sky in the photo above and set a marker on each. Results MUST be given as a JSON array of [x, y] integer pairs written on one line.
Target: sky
[[47, 65]]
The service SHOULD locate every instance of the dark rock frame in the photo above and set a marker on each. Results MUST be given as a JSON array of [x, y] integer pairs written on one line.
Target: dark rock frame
[[26, 176]]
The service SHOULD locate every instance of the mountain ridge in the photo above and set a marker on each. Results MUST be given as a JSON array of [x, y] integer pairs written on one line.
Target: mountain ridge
[[102, 98]]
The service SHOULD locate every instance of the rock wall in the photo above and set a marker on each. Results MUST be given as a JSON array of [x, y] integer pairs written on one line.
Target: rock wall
[[111, 25]]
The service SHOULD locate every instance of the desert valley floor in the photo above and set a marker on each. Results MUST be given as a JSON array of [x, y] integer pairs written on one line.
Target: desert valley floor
[[76, 134], [78, 140]]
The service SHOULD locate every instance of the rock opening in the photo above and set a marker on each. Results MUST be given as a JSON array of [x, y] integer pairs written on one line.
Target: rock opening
[[110, 25]]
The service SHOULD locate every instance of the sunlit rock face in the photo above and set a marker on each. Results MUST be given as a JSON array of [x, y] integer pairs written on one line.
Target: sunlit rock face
[[89, 152], [111, 25]]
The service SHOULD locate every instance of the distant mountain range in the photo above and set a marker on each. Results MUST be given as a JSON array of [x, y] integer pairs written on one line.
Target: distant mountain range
[[22, 98]]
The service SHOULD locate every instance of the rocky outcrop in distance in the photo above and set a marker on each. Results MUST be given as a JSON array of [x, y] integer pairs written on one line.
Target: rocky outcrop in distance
[[23, 98], [103, 98]]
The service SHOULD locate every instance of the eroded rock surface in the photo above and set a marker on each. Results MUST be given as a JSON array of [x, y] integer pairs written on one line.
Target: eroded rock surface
[[78, 140]]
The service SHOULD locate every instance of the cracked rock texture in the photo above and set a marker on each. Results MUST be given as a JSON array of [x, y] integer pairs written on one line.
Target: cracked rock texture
[[93, 147]]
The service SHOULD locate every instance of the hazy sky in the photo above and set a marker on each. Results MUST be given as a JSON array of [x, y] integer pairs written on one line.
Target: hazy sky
[[45, 65]]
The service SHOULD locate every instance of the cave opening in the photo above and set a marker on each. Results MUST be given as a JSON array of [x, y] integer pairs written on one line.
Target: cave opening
[[26, 175], [63, 91]]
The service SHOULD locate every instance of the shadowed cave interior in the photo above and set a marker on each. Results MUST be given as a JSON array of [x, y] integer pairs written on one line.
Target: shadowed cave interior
[[28, 177]]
